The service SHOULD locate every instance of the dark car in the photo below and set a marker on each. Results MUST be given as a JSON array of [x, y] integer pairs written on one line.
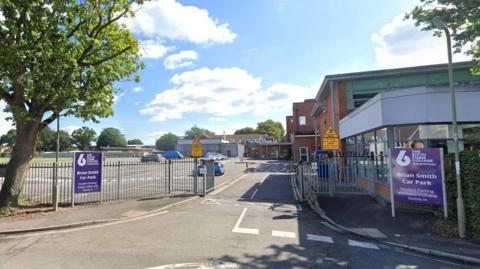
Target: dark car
[[217, 166], [171, 154], [151, 158]]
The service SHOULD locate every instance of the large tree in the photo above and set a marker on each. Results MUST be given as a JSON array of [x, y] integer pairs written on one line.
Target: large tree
[[47, 140], [166, 142], [245, 130], [83, 137], [135, 141], [8, 138], [273, 129], [59, 58], [111, 137], [198, 132], [461, 16]]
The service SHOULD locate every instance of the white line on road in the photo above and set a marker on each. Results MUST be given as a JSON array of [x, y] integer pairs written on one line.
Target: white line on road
[[261, 182], [283, 234], [320, 238], [237, 228], [253, 195], [354, 243]]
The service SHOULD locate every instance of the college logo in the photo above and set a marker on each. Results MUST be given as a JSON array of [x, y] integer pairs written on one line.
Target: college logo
[[402, 159], [81, 160]]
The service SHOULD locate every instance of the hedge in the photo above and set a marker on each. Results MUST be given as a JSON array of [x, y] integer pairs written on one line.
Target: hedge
[[470, 171]]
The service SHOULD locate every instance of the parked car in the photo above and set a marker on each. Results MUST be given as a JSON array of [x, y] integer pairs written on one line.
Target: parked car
[[214, 156], [218, 167], [154, 157], [171, 154]]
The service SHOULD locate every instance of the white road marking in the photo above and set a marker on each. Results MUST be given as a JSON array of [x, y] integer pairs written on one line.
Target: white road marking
[[361, 244], [253, 195], [261, 182], [237, 228], [283, 234], [319, 238]]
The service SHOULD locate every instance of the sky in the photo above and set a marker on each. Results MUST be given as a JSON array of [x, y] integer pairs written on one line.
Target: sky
[[224, 65]]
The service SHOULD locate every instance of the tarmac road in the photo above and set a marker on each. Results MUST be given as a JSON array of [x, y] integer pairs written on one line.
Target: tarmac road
[[254, 223]]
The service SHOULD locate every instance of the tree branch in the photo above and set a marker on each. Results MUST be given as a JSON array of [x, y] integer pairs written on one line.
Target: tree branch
[[99, 62]]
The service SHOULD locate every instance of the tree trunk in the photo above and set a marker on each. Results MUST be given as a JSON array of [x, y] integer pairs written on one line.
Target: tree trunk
[[19, 163]]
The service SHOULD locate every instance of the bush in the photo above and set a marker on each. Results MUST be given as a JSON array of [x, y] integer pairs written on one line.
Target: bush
[[470, 171]]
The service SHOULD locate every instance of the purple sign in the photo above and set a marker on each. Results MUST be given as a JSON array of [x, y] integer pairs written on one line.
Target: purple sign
[[87, 171], [417, 175]]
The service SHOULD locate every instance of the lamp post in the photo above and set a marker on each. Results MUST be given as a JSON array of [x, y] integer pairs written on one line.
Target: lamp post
[[440, 24]]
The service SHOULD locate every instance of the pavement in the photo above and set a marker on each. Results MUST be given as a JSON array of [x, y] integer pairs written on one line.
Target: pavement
[[253, 221], [364, 215], [42, 218]]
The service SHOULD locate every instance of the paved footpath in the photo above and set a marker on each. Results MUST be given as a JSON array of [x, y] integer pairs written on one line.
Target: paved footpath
[[254, 222]]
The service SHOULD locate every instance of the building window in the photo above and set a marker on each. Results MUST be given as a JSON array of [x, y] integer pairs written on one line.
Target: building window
[[302, 120], [304, 154]]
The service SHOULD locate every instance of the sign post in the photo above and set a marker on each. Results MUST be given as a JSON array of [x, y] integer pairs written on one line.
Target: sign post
[[417, 176], [330, 140], [197, 151], [87, 173]]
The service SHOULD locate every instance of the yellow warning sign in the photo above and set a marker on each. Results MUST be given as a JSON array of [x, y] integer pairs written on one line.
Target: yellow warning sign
[[330, 140], [197, 148]]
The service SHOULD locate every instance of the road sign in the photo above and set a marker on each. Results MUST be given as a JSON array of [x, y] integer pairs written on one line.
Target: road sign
[[330, 140], [87, 171], [197, 148]]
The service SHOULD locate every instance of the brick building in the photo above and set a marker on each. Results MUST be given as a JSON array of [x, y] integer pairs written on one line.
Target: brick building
[[302, 131]]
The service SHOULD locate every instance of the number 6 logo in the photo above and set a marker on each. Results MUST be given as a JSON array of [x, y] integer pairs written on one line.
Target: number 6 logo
[[81, 160], [402, 159]]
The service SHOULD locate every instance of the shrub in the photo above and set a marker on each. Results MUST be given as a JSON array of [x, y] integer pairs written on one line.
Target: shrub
[[470, 171]]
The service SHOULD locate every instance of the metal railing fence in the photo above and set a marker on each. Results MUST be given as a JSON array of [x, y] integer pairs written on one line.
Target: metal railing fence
[[121, 180]]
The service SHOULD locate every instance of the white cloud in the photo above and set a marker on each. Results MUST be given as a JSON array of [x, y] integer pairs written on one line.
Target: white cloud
[[223, 92], [118, 96], [4, 124], [70, 128], [184, 58], [168, 19], [399, 43], [153, 49], [137, 89]]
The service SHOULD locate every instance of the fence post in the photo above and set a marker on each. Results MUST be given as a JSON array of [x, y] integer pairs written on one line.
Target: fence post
[[303, 183], [195, 176], [169, 186], [118, 180], [54, 188], [204, 179], [331, 176]]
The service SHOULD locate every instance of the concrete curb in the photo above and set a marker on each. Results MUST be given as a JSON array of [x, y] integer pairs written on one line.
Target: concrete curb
[[433, 252], [103, 221]]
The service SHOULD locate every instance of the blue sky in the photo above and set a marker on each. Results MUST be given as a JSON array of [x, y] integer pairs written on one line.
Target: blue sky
[[224, 65]]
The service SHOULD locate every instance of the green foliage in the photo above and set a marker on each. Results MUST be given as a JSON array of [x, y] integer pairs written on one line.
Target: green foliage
[[134, 142], [8, 138], [273, 129], [470, 169], [245, 130], [111, 137], [462, 17], [166, 142], [198, 132], [47, 140], [83, 137], [56, 55]]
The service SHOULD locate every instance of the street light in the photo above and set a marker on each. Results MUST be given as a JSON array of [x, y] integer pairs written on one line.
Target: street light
[[442, 25], [55, 181]]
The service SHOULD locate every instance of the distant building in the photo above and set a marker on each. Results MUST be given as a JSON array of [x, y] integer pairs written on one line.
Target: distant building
[[225, 147], [242, 138]]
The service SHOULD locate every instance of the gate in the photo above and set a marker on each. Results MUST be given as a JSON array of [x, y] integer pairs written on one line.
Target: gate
[[340, 175]]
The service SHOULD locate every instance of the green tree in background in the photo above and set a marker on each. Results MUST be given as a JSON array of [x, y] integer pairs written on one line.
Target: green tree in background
[[59, 58], [461, 16], [8, 138], [134, 142], [273, 129], [166, 142], [83, 137], [198, 132], [245, 130], [47, 140], [111, 137]]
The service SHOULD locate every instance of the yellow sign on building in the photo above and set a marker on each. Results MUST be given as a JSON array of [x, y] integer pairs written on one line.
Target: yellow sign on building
[[197, 148], [330, 140]]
